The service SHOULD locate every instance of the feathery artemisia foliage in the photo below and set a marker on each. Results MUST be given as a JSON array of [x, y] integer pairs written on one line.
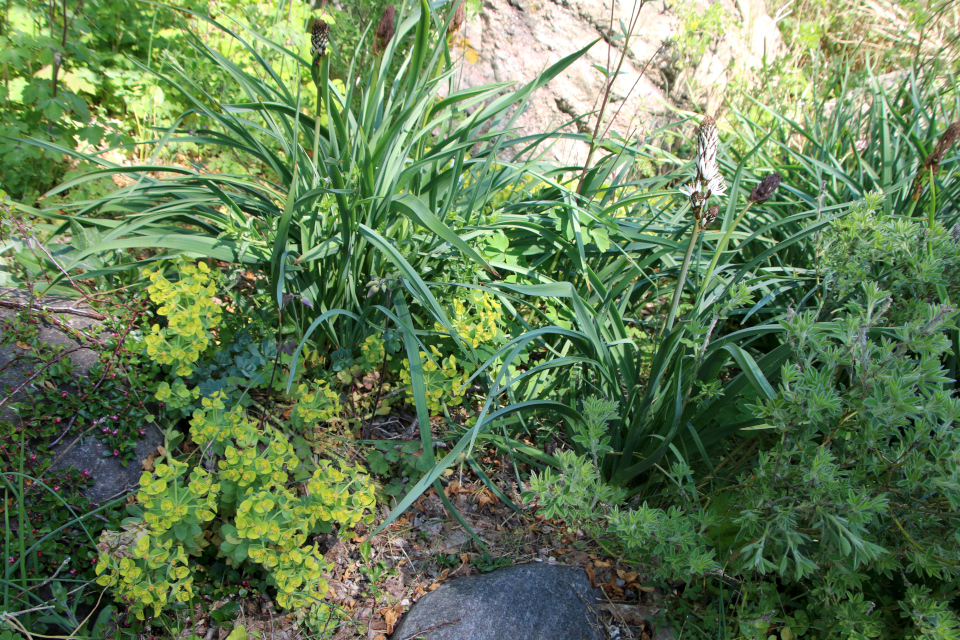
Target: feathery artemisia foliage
[[708, 180]]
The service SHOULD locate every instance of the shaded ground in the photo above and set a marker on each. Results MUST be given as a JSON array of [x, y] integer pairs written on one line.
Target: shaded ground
[[427, 547]]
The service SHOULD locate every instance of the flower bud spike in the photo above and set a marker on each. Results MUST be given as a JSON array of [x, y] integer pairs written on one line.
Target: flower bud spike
[[459, 17], [385, 30], [319, 40], [763, 191], [931, 166]]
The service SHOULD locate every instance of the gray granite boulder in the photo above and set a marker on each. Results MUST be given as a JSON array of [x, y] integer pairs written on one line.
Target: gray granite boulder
[[523, 602]]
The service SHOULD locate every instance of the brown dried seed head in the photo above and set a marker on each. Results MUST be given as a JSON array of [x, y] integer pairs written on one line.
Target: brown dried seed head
[[763, 191], [697, 200], [459, 17], [385, 30], [710, 216]]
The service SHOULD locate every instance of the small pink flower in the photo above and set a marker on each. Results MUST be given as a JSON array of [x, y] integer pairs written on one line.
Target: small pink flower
[[114, 417], [115, 432], [56, 420], [116, 452], [86, 473], [11, 560], [56, 487], [63, 394], [33, 457]]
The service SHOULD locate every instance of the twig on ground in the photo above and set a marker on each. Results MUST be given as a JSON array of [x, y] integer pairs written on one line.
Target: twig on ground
[[77, 312], [433, 628]]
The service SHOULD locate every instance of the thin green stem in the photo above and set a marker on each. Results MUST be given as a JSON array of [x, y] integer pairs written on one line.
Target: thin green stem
[[316, 120], [22, 525], [932, 212], [683, 277], [722, 247], [6, 546]]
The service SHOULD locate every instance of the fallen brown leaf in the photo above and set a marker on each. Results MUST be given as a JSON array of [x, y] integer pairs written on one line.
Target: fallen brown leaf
[[148, 463], [452, 489], [628, 576], [391, 615], [591, 574]]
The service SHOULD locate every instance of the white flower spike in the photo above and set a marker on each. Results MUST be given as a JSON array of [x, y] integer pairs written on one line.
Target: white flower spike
[[708, 180]]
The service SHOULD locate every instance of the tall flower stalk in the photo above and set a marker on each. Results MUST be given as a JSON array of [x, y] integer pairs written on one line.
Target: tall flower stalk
[[706, 183], [320, 70], [760, 194], [928, 170]]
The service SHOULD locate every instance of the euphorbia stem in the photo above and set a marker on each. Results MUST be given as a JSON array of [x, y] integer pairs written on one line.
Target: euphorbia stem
[[683, 277]]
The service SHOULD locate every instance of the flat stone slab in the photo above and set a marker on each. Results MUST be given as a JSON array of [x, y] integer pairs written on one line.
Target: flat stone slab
[[88, 453], [14, 374], [524, 602], [111, 479]]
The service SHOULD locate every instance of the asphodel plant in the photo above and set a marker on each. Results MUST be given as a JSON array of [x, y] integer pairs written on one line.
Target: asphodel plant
[[383, 169], [707, 183]]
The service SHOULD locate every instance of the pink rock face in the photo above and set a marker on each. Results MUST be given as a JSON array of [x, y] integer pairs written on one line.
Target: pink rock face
[[514, 40]]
